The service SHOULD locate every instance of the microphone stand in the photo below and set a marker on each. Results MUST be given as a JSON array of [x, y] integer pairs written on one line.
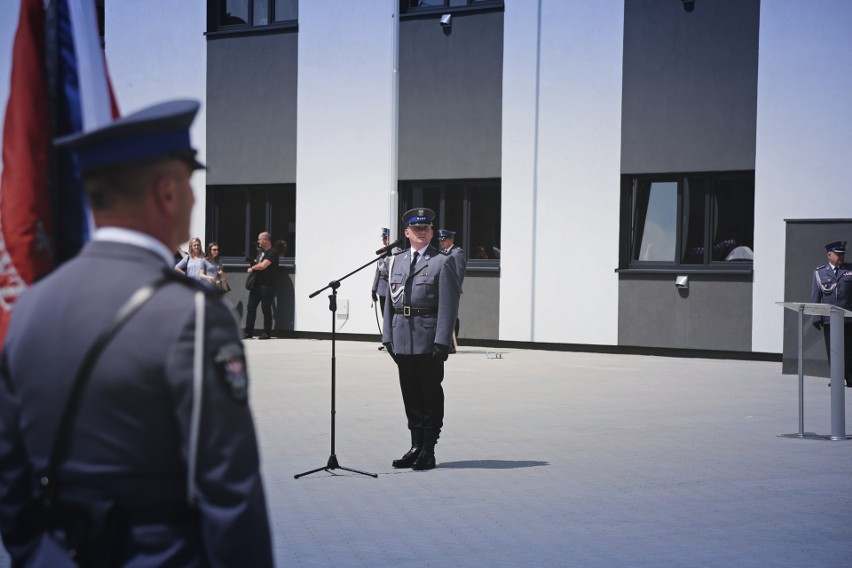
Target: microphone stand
[[332, 305]]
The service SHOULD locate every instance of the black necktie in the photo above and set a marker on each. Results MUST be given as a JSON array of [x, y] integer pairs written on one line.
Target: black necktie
[[413, 262]]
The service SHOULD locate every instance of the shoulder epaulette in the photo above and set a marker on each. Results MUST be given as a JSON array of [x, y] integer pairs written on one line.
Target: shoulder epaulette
[[820, 267], [175, 276]]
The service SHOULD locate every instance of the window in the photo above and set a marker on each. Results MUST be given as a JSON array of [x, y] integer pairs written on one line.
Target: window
[[236, 214], [689, 221], [470, 208], [418, 6], [235, 14]]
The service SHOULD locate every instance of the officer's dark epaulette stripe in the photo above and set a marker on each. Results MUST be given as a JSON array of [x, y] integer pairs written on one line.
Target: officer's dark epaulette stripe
[[179, 278]]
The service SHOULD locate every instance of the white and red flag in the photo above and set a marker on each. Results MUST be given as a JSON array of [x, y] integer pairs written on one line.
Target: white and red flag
[[58, 86]]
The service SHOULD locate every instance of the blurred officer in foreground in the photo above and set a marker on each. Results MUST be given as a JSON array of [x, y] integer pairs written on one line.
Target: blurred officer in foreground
[[159, 463], [447, 242], [418, 332], [832, 284]]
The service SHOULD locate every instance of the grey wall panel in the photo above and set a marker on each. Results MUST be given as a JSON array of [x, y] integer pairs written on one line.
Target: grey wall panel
[[450, 93], [689, 86], [283, 308], [251, 109], [714, 313], [804, 251], [479, 310]]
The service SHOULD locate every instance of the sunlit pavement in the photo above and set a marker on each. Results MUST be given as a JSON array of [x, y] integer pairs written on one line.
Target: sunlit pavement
[[551, 459]]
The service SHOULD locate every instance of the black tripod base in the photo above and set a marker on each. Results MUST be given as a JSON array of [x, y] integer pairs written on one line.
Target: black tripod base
[[332, 465]]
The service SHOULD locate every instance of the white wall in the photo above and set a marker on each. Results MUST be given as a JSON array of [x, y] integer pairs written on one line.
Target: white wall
[[519, 181], [156, 51], [804, 145], [344, 155], [561, 211]]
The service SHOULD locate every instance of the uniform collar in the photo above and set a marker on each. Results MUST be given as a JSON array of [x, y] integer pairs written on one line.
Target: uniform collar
[[421, 251], [135, 238]]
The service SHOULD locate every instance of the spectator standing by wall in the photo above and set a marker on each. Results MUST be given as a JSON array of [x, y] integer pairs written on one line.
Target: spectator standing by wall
[[263, 292]]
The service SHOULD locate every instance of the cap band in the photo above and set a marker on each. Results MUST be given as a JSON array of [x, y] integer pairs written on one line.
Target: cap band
[[138, 148]]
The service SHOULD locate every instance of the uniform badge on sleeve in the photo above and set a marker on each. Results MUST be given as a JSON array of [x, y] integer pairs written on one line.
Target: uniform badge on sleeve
[[231, 367]]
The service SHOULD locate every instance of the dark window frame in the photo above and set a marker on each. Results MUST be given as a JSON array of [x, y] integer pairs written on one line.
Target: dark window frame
[[217, 28], [271, 222], [468, 188], [407, 11], [710, 187]]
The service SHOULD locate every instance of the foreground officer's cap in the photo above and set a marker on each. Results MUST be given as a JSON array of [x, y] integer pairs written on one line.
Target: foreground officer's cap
[[385, 232], [158, 132], [836, 246], [446, 234], [419, 216]]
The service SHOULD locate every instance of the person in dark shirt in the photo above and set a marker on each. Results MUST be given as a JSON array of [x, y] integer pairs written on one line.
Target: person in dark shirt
[[265, 266]]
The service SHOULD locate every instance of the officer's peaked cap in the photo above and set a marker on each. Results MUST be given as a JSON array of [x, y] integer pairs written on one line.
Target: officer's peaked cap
[[418, 216], [446, 234], [836, 246], [385, 232], [154, 133]]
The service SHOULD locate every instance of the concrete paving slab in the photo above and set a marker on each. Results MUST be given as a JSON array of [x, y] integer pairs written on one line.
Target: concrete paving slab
[[551, 459]]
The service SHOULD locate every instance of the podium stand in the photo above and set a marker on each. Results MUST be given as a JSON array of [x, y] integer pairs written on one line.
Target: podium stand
[[838, 368]]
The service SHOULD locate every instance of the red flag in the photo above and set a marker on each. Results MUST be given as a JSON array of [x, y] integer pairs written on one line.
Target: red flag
[[25, 249], [53, 91]]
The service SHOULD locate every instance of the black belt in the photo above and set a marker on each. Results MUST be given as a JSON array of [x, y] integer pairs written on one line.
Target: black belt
[[409, 311]]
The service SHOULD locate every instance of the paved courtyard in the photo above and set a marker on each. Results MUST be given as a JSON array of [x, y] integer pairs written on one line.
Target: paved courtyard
[[551, 459]]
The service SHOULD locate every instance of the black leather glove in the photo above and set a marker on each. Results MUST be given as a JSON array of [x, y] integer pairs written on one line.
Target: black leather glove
[[818, 324], [375, 297], [389, 349], [440, 352]]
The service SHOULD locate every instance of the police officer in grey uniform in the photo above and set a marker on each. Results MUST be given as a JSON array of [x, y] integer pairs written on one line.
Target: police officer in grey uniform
[[418, 332], [447, 242], [380, 278], [162, 460], [832, 284]]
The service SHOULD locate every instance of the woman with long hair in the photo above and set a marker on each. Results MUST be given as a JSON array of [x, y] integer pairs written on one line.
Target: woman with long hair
[[195, 265], [213, 258]]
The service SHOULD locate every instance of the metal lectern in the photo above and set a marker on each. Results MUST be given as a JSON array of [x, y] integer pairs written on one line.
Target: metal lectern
[[838, 368]]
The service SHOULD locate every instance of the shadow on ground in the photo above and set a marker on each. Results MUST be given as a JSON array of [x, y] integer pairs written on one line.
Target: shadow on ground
[[491, 464]]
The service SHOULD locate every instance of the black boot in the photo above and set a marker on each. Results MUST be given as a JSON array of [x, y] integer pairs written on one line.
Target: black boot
[[426, 459], [411, 455]]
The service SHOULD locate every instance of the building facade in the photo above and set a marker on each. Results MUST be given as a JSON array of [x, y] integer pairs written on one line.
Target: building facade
[[618, 171]]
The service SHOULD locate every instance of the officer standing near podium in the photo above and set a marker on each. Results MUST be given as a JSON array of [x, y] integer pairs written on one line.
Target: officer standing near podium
[[832, 284], [418, 332], [160, 464]]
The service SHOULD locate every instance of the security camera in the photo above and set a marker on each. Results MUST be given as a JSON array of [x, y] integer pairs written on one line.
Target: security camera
[[447, 20]]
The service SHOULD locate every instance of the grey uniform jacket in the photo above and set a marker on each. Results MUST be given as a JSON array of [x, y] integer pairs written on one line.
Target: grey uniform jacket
[[461, 263], [132, 430], [828, 288], [380, 279], [434, 284]]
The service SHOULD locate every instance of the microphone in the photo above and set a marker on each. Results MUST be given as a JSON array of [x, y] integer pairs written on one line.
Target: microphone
[[390, 247]]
